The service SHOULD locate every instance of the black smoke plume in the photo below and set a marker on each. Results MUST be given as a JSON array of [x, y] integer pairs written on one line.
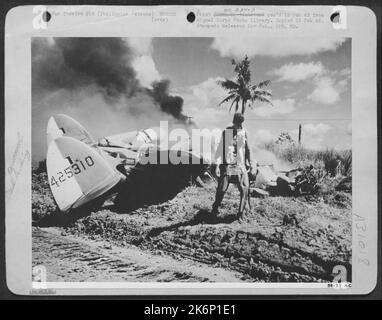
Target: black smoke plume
[[170, 104], [73, 64]]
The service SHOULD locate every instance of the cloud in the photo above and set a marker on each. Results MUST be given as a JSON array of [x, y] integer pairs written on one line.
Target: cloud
[[326, 91], [279, 107], [313, 135], [238, 47], [346, 72], [143, 62], [140, 46], [349, 129], [201, 101], [343, 146], [298, 72], [316, 129], [146, 71], [209, 92], [329, 84]]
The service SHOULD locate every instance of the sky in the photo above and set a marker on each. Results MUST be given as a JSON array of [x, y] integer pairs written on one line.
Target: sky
[[310, 85]]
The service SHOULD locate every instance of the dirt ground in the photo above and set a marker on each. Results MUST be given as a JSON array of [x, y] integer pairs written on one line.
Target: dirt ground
[[296, 239], [79, 259]]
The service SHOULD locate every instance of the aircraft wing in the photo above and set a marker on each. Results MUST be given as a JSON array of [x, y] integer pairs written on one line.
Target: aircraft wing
[[133, 140]]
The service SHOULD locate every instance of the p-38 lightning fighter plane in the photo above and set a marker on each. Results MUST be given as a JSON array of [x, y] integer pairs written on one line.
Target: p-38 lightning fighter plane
[[81, 170]]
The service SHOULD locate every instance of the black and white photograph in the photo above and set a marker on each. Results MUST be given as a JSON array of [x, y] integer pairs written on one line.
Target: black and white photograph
[[179, 151], [192, 159]]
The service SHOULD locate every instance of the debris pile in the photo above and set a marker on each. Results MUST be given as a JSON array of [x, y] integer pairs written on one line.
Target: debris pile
[[296, 182], [307, 181]]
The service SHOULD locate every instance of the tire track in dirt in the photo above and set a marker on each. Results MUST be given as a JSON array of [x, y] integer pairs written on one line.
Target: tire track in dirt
[[240, 247], [69, 258], [253, 254]]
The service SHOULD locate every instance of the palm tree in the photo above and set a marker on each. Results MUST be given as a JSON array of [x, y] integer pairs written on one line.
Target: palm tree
[[241, 90]]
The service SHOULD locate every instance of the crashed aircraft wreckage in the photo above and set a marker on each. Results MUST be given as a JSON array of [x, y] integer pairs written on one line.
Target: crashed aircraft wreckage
[[295, 182], [81, 170]]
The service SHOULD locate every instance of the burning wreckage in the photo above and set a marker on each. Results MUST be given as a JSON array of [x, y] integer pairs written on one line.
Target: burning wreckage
[[82, 171], [294, 182]]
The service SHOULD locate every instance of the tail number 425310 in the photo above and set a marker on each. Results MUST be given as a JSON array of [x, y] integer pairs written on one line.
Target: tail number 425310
[[74, 169]]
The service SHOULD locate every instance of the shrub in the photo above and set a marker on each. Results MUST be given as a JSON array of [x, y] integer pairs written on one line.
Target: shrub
[[43, 203], [299, 156], [347, 162]]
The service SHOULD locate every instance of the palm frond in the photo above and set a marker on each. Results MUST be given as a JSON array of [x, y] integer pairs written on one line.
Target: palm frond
[[241, 90], [228, 84], [237, 99], [261, 99], [263, 84], [237, 104], [266, 93], [228, 98]]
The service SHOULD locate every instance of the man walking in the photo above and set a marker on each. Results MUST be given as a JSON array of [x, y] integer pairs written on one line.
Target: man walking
[[233, 157]]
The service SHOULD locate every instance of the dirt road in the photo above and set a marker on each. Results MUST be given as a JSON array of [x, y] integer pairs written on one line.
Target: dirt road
[[70, 258]]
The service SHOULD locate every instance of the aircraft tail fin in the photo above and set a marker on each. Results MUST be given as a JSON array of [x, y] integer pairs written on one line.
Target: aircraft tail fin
[[61, 125], [77, 173]]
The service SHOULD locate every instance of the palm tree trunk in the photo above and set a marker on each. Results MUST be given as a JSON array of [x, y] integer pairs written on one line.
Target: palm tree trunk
[[243, 107]]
